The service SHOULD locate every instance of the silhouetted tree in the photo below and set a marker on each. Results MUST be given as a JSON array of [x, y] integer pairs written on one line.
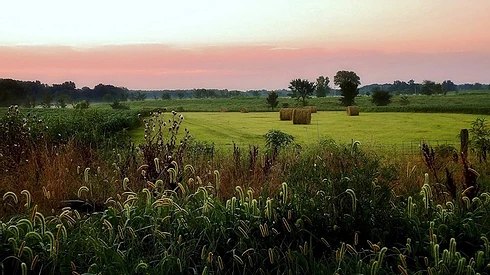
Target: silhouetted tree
[[448, 86], [272, 100], [430, 88], [301, 89], [322, 88], [348, 82]]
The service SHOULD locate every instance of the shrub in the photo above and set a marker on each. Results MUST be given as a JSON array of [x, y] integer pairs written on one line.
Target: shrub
[[276, 139], [404, 100], [116, 104], [82, 105], [381, 98], [480, 138]]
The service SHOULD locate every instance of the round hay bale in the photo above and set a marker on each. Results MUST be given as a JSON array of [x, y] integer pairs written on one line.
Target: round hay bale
[[286, 114], [243, 110], [352, 110], [223, 110], [301, 116], [313, 109]]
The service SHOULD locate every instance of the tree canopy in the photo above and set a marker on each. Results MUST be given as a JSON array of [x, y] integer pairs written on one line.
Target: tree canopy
[[301, 89], [348, 81], [322, 88]]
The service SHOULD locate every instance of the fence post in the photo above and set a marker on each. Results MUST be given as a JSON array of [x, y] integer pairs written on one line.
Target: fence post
[[464, 142]]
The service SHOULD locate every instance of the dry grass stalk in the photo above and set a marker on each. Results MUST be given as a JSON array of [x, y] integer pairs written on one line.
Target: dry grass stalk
[[352, 110], [301, 116], [286, 113]]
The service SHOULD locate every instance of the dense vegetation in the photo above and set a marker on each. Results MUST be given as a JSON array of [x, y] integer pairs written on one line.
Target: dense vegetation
[[76, 201]]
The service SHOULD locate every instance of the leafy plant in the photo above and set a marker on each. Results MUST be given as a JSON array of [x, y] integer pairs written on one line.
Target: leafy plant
[[276, 139], [480, 138]]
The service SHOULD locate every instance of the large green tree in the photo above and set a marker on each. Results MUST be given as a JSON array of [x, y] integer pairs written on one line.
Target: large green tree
[[301, 89], [348, 82], [322, 88]]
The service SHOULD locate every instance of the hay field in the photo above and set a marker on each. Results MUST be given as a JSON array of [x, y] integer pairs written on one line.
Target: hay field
[[369, 128]]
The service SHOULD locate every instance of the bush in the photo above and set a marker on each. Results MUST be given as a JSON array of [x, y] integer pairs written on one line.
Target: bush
[[276, 139], [480, 138], [118, 105], [404, 100], [381, 98], [82, 105]]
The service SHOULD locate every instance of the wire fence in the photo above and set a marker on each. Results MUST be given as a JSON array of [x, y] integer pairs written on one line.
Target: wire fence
[[409, 148]]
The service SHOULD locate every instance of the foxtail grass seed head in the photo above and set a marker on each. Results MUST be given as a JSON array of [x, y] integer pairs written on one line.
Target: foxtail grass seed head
[[11, 195], [217, 180], [286, 224], [173, 174], [285, 191], [238, 259], [85, 174], [220, 263], [157, 165], [81, 190], [28, 198], [241, 194], [352, 194], [125, 184]]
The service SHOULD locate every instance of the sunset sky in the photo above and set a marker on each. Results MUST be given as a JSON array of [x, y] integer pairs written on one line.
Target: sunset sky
[[253, 44]]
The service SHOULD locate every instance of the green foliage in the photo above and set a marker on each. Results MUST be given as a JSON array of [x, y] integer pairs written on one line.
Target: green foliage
[[431, 88], [276, 139], [404, 100], [166, 96], [322, 88], [348, 82], [480, 138], [272, 100], [82, 105], [301, 89], [116, 104], [380, 97]]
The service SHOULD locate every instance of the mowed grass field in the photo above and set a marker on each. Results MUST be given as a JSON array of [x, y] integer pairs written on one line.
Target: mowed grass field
[[224, 128]]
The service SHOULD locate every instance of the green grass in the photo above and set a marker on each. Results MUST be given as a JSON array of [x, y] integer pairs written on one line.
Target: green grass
[[369, 128], [472, 103]]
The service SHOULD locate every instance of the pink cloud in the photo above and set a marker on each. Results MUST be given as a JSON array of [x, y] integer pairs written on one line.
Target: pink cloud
[[233, 67]]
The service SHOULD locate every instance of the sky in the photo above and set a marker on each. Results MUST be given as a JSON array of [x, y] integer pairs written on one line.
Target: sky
[[243, 45]]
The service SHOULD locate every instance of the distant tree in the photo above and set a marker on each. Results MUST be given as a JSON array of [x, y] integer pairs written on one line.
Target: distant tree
[[477, 86], [399, 86], [84, 104], [138, 96], [301, 89], [11, 92], [348, 82], [61, 102], [380, 97], [272, 100], [181, 95], [47, 100], [448, 86], [256, 93], [322, 88], [430, 88], [118, 105], [166, 96]]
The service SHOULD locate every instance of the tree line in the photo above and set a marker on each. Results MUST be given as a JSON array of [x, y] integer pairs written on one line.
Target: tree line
[[35, 93]]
